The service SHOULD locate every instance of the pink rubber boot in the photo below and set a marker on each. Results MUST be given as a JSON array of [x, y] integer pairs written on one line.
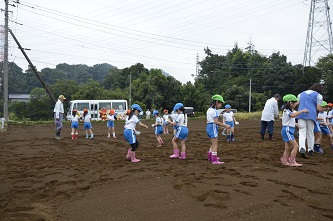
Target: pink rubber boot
[[284, 161], [133, 159], [215, 160], [209, 155], [293, 163], [129, 153], [175, 154], [182, 156]]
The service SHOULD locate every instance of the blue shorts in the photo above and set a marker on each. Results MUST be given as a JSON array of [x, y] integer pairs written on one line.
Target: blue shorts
[[288, 133], [231, 123], [110, 123], [212, 130], [75, 124], [325, 130], [87, 125], [130, 136], [159, 130], [182, 133], [316, 128]]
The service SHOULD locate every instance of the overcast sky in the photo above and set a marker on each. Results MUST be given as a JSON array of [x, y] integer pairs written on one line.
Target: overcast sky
[[164, 34]]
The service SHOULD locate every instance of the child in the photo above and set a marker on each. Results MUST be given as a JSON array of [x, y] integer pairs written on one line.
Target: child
[[165, 124], [174, 116], [330, 118], [110, 124], [87, 124], [181, 131], [212, 127], [75, 124], [130, 134], [288, 130], [158, 127], [229, 118], [321, 128]]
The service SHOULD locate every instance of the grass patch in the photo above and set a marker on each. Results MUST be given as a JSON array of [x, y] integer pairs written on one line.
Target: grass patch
[[248, 116]]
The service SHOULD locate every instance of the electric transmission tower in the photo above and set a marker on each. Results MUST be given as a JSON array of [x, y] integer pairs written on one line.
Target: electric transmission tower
[[319, 38]]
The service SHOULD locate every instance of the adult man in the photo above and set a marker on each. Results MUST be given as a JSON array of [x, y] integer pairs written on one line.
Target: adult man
[[310, 99], [147, 114], [270, 112], [58, 115]]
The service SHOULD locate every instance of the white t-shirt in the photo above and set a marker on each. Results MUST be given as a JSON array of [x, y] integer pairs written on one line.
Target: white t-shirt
[[228, 116], [270, 110], [286, 119], [211, 114], [165, 117], [159, 120], [324, 116], [131, 123], [110, 117], [87, 118], [181, 121], [75, 118]]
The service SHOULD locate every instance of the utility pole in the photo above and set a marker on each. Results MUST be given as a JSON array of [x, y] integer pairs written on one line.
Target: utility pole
[[250, 95], [319, 34], [5, 67], [33, 67], [130, 91]]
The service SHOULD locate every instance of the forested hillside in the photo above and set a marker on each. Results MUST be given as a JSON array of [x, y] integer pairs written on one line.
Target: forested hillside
[[229, 75]]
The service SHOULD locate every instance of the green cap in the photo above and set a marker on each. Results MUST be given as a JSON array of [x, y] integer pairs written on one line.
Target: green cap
[[290, 97], [218, 97], [323, 104]]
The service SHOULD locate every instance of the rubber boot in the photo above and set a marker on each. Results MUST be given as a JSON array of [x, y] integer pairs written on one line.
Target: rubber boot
[[293, 163], [215, 160], [232, 137], [57, 137], [129, 153], [284, 161], [133, 159], [262, 137], [175, 154], [76, 136], [72, 136], [182, 156], [228, 136], [209, 155], [271, 137], [317, 148], [91, 136]]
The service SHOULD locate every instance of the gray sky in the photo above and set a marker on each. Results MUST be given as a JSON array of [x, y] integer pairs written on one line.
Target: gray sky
[[165, 34]]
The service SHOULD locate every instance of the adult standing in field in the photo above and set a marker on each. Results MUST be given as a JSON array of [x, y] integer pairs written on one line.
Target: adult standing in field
[[58, 115], [270, 112], [311, 100], [148, 114]]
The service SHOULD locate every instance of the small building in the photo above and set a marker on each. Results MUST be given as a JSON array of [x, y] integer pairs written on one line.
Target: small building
[[19, 97]]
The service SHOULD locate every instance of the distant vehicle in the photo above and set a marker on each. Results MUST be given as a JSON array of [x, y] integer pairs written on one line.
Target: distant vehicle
[[98, 109], [221, 111], [189, 111]]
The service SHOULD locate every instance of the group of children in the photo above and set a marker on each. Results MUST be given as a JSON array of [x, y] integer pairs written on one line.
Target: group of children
[[180, 131], [111, 117], [322, 127]]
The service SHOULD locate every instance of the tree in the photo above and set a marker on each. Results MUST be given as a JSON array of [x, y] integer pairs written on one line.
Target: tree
[[325, 65]]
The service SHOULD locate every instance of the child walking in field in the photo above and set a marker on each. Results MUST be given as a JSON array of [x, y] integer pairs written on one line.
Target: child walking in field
[[181, 131], [212, 127], [322, 128], [229, 118], [158, 127], [165, 119], [174, 116], [130, 134], [288, 130], [87, 124], [330, 118], [111, 117], [75, 124]]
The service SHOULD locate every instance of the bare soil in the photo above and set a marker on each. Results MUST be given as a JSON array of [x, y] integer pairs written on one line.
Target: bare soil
[[89, 179]]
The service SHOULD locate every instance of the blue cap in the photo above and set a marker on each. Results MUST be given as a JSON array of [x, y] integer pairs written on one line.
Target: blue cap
[[227, 106], [155, 112], [177, 106], [136, 107]]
